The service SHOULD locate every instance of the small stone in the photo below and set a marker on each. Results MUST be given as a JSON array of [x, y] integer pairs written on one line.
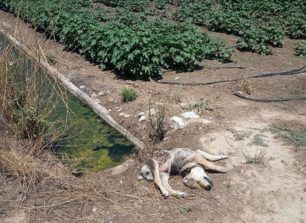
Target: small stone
[[120, 109], [94, 209], [190, 115], [141, 114], [93, 95], [124, 115], [176, 78], [82, 86], [206, 121], [152, 111], [120, 181], [110, 100], [166, 139], [142, 118], [101, 93], [176, 122]]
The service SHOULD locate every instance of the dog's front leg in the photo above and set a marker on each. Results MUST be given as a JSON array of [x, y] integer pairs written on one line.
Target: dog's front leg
[[153, 163], [165, 181]]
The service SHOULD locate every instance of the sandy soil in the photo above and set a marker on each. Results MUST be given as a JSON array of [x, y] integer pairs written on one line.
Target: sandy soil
[[273, 191]]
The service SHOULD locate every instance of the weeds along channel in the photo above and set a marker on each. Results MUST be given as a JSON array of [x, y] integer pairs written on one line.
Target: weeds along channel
[[39, 109]]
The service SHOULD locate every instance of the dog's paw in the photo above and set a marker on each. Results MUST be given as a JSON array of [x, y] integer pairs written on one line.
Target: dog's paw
[[223, 156], [166, 194], [180, 194], [221, 169]]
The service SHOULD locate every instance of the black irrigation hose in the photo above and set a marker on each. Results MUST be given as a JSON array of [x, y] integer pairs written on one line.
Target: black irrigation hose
[[288, 72], [226, 67], [241, 95], [194, 83], [262, 75]]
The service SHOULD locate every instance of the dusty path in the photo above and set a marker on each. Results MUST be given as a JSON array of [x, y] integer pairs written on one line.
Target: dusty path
[[273, 191]]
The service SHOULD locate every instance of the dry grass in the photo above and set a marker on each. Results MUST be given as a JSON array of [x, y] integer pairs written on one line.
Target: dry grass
[[158, 121], [15, 163], [243, 86], [257, 158]]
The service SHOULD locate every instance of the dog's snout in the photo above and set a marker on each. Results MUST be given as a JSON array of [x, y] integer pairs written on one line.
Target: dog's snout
[[209, 181], [208, 187]]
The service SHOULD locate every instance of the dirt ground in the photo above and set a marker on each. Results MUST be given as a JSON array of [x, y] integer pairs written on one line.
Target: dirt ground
[[266, 181]]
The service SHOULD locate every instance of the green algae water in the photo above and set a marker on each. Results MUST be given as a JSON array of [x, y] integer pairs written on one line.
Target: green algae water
[[88, 143]]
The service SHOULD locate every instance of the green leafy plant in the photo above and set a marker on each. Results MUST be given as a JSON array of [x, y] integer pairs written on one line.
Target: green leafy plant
[[133, 46], [300, 50], [128, 94], [51, 59], [260, 24]]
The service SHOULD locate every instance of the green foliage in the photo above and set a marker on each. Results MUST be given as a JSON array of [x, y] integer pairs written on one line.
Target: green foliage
[[254, 40], [292, 132], [132, 5], [130, 44], [50, 58], [128, 94], [161, 4], [30, 123], [184, 210], [260, 24], [300, 50]]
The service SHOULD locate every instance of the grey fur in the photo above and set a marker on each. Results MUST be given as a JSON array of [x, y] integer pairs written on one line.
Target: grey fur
[[181, 160]]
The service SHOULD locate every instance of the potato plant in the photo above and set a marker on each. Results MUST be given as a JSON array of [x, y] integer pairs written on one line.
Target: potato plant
[[133, 47], [260, 24]]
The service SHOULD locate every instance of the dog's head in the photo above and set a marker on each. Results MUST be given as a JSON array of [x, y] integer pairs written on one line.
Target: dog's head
[[146, 173], [197, 178]]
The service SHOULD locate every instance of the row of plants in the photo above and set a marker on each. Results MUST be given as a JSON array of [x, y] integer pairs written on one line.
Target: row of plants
[[133, 47], [132, 5], [142, 5], [300, 49], [260, 24]]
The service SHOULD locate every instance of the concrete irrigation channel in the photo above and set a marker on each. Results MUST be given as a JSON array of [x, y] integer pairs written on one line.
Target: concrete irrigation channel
[[99, 142]]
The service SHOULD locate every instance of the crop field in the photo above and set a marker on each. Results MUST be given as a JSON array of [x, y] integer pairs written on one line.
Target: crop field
[[140, 38]]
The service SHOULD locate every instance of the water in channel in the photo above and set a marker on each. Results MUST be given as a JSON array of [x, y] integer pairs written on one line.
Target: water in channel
[[88, 143]]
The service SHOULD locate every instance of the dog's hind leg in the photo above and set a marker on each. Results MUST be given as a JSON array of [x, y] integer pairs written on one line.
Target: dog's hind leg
[[157, 180], [211, 157], [206, 164], [165, 181]]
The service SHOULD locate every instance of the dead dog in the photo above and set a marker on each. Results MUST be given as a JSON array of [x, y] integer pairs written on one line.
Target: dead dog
[[188, 163]]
